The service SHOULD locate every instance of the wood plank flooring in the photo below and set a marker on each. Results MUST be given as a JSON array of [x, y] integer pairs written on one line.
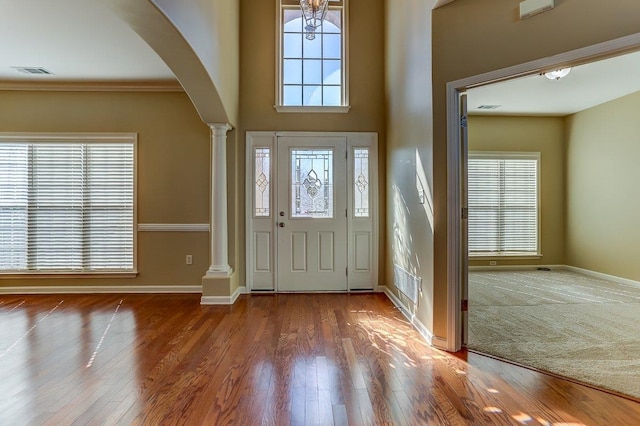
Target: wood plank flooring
[[318, 359]]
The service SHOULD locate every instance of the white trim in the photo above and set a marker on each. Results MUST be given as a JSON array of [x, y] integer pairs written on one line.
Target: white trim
[[35, 137], [454, 88], [102, 289], [432, 340], [173, 227], [516, 267], [223, 300], [92, 87], [341, 109], [601, 276]]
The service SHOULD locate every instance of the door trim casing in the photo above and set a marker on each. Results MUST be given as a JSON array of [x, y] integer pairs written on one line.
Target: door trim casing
[[265, 280], [454, 88]]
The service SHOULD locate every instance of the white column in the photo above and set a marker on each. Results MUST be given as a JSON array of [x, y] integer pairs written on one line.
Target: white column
[[219, 233]]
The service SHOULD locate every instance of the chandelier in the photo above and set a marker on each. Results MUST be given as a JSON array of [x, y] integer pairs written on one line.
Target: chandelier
[[313, 12]]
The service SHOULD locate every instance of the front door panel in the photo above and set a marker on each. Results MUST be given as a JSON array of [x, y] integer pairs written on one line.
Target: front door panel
[[312, 215]]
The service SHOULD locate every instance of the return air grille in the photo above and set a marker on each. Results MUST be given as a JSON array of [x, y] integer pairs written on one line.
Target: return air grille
[[407, 283], [33, 70]]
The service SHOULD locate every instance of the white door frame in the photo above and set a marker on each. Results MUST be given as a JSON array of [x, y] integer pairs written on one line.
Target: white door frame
[[261, 271], [454, 202]]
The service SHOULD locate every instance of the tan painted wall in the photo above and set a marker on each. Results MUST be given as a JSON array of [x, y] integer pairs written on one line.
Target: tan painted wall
[[173, 170], [409, 148], [603, 201], [471, 37], [257, 90], [531, 134]]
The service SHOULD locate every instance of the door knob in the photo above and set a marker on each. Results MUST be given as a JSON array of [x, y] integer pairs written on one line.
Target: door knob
[[281, 224]]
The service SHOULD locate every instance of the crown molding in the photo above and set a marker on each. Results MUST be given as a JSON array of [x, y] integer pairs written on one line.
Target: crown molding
[[92, 86]]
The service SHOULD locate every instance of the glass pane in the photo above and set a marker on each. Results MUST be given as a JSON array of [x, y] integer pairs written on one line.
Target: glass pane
[[331, 72], [292, 20], [331, 96], [332, 47], [292, 95], [292, 71], [312, 71], [332, 22], [292, 47], [361, 182], [312, 183], [312, 96], [262, 184], [312, 48]]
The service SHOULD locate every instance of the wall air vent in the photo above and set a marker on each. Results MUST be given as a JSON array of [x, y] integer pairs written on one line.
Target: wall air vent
[[529, 8], [33, 70], [485, 107]]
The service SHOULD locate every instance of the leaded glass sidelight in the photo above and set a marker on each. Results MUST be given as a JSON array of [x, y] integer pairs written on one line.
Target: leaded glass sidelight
[[361, 182], [262, 184], [312, 183]]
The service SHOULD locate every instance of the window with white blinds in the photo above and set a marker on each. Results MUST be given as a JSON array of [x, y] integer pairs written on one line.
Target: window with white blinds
[[67, 203], [503, 204]]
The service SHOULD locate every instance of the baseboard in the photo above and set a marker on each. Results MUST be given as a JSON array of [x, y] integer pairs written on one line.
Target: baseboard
[[223, 300], [515, 267], [102, 289], [602, 276], [432, 340]]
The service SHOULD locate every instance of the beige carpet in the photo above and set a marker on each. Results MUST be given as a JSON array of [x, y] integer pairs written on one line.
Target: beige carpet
[[562, 322]]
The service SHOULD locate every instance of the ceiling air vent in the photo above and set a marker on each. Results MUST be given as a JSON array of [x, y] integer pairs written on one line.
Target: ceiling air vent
[[489, 106], [33, 70]]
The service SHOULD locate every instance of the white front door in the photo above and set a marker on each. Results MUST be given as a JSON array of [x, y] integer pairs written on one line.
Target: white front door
[[312, 214], [312, 211]]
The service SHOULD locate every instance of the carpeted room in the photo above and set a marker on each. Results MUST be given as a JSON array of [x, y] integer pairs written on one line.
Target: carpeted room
[[581, 319]]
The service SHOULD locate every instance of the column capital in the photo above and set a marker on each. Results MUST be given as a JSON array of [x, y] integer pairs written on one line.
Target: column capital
[[220, 128]]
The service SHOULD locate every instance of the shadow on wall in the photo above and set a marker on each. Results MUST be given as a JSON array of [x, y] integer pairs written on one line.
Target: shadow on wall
[[406, 251]]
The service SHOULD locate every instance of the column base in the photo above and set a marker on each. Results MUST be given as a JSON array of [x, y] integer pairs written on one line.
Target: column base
[[219, 271], [222, 289]]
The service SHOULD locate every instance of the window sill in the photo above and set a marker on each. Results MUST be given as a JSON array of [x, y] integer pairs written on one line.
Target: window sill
[[514, 256], [313, 109], [65, 275]]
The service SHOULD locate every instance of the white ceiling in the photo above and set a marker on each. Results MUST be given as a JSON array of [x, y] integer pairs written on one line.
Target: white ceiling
[[585, 87], [77, 40]]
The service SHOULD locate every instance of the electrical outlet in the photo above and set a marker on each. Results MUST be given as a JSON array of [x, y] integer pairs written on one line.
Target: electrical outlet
[[189, 259], [493, 263]]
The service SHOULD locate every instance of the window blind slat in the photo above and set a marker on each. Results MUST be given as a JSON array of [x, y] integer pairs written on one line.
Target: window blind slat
[[66, 206]]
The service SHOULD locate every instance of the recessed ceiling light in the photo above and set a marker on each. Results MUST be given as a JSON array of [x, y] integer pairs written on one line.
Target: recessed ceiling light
[[557, 74], [33, 70]]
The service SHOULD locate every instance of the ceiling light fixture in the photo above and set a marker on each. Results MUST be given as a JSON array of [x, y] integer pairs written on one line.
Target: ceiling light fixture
[[557, 74], [313, 12]]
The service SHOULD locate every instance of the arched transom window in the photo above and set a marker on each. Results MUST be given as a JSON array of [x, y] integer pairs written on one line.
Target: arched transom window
[[311, 68]]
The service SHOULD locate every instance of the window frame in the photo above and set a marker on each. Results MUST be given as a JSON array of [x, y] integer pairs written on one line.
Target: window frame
[[508, 155], [81, 138], [281, 5]]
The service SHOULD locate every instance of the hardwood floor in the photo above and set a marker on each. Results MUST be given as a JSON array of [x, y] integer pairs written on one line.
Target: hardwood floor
[[267, 360]]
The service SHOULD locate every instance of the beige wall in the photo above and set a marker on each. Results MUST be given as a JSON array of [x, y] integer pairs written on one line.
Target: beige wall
[[530, 134], [603, 201], [257, 91], [471, 37], [409, 148], [173, 170]]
